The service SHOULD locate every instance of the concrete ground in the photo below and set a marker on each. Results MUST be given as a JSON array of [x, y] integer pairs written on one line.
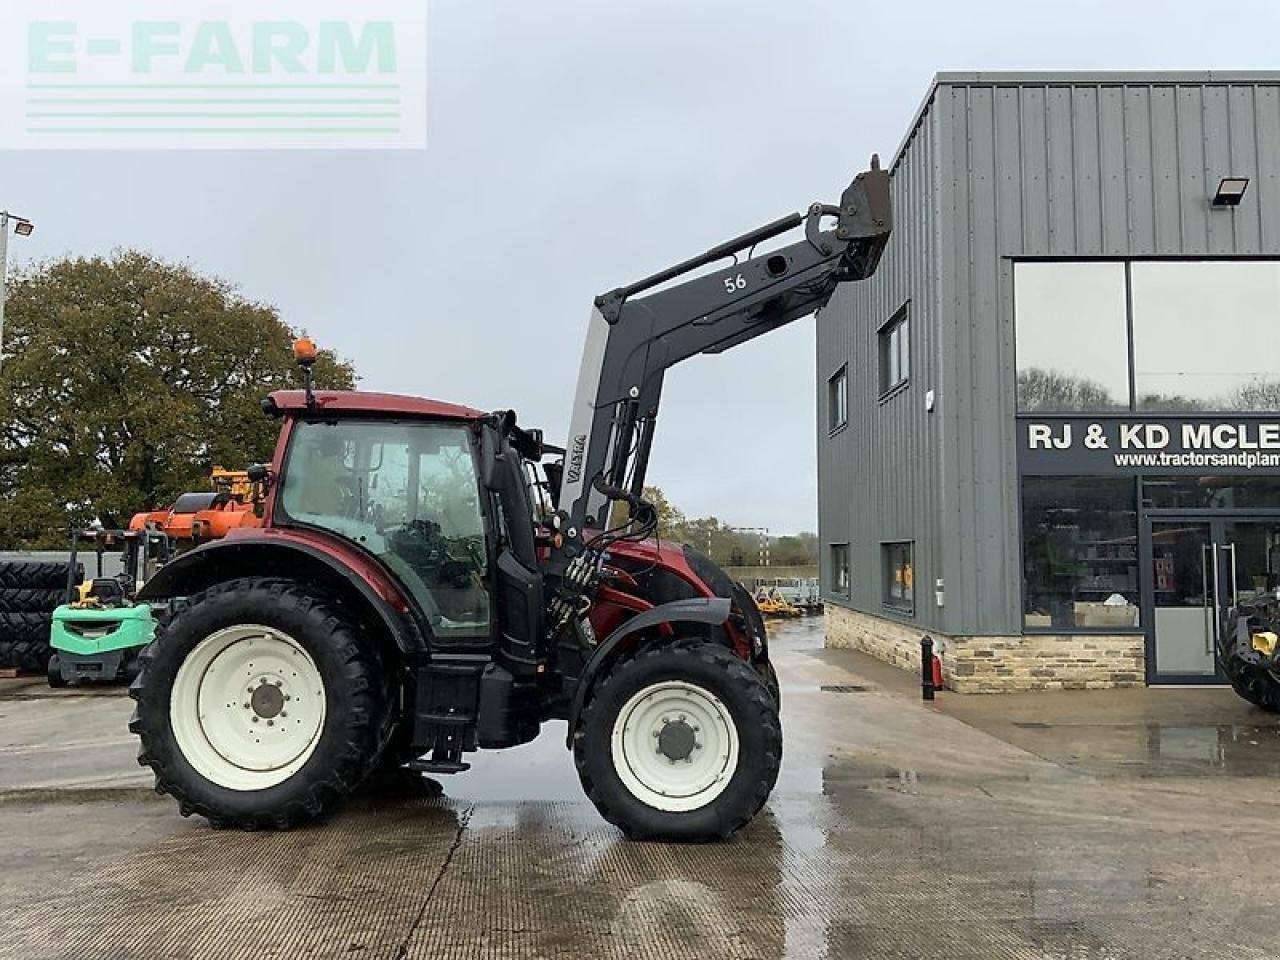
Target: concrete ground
[[1077, 825]]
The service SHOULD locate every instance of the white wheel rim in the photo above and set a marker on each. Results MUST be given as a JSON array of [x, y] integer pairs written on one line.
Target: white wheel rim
[[651, 735], [247, 707]]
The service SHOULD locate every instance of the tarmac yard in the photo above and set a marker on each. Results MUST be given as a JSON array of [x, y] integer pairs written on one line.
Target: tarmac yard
[[1076, 825]]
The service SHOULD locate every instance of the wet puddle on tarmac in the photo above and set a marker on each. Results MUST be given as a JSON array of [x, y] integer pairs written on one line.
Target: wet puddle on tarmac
[[1156, 749]]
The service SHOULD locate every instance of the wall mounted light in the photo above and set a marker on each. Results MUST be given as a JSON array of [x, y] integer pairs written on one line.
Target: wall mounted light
[[1230, 191]]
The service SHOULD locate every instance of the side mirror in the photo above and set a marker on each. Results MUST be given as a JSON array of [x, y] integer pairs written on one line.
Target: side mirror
[[259, 475]]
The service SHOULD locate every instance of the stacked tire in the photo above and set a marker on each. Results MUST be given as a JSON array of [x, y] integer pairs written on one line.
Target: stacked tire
[[29, 592]]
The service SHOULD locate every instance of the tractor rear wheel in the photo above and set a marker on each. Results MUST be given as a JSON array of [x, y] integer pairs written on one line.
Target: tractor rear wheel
[[258, 705], [680, 742]]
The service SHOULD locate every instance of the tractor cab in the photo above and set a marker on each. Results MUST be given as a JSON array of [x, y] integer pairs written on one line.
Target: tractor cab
[[434, 494], [407, 492]]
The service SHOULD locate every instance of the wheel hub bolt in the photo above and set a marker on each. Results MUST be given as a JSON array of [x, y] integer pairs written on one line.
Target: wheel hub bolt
[[255, 719], [247, 706], [271, 723]]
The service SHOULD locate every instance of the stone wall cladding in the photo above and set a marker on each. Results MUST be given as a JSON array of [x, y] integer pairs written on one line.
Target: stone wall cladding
[[887, 640], [996, 664]]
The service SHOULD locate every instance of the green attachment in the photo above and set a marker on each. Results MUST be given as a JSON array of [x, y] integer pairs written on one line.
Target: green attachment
[[87, 631]]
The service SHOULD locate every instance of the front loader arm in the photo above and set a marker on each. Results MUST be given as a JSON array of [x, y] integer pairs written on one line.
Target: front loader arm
[[632, 339]]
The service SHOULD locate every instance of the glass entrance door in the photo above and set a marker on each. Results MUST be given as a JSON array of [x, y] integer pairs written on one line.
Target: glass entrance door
[[1199, 569], [1250, 558], [1184, 600]]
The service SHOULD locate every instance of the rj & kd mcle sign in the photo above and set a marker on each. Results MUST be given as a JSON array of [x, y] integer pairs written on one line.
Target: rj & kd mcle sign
[[1152, 445]]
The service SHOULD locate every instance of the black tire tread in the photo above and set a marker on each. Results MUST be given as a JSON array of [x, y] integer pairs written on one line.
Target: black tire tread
[[31, 599], [771, 682], [38, 574], [28, 656], [26, 625], [328, 789], [763, 705], [1253, 684]]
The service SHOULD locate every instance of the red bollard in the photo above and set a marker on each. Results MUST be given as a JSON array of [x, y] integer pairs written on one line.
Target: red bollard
[[927, 685]]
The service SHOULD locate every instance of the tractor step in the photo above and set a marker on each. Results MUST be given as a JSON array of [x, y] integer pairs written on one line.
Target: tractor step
[[437, 766]]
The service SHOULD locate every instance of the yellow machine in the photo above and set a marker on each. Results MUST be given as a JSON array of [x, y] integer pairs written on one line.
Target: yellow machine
[[774, 604], [235, 483]]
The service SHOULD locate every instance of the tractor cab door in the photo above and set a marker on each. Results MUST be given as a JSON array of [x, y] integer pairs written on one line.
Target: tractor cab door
[[519, 579], [409, 493]]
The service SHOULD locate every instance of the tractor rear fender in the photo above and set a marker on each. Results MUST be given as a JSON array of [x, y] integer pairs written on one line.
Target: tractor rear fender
[[712, 610], [229, 559]]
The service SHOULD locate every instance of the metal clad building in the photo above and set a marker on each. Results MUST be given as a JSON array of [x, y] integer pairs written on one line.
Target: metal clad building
[[1081, 185]]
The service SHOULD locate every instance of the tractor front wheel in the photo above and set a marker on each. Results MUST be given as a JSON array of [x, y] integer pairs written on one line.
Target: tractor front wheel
[[680, 742], [1259, 686], [258, 705]]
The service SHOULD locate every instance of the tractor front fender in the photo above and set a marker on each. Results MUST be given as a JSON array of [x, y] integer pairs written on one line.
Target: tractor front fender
[[712, 610], [249, 556]]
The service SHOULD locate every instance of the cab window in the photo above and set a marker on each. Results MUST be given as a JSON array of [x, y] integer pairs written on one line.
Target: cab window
[[408, 493]]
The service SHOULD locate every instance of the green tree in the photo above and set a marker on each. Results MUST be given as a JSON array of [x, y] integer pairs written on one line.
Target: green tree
[[795, 550], [123, 380], [724, 543]]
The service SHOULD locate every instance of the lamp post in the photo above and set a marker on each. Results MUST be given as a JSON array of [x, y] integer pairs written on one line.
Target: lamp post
[[23, 228]]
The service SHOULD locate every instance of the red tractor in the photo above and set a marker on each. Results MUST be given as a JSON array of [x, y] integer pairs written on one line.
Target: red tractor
[[430, 579]]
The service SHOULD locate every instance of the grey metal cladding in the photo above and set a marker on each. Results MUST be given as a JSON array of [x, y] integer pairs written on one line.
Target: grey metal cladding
[[871, 486], [1000, 166]]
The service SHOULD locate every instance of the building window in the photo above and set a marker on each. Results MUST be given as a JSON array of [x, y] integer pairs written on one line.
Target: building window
[[1200, 334], [895, 352], [840, 569], [1204, 335], [1071, 325], [1202, 492], [1079, 553], [838, 400], [899, 575]]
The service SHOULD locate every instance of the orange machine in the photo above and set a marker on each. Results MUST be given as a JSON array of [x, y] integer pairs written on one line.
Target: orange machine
[[197, 517]]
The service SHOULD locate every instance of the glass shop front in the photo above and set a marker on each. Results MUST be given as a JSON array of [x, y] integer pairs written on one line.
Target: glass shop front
[[1148, 449]]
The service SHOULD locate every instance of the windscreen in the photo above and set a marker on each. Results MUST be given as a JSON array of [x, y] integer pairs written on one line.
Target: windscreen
[[406, 492]]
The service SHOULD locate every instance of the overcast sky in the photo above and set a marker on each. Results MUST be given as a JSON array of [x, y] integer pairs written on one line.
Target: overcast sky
[[575, 146]]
